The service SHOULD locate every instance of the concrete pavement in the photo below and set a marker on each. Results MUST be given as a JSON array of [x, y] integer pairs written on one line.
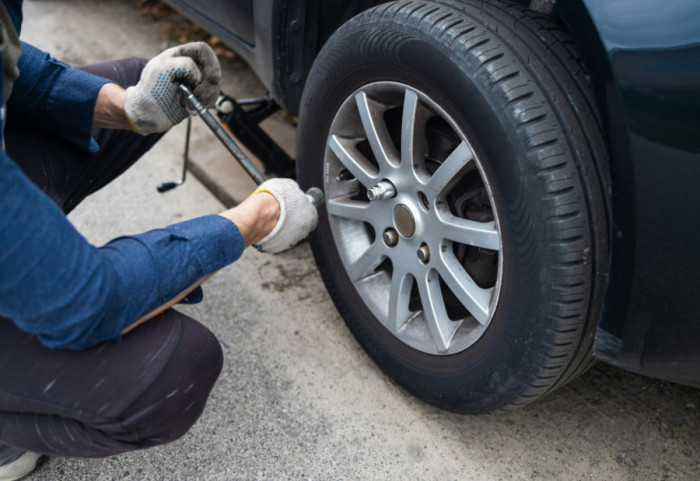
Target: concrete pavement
[[298, 398]]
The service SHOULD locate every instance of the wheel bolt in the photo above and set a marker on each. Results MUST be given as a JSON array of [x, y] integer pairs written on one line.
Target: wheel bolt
[[390, 237], [382, 190], [424, 253]]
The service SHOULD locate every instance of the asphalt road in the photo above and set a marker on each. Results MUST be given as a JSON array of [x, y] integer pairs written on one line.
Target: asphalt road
[[298, 399]]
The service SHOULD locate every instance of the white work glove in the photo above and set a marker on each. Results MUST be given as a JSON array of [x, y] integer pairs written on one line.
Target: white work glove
[[156, 103], [297, 217]]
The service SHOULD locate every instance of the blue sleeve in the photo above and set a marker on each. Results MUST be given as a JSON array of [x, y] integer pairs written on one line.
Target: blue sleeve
[[49, 94], [74, 295]]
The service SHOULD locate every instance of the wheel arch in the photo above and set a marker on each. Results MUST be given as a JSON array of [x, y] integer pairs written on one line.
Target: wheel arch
[[307, 24], [311, 23]]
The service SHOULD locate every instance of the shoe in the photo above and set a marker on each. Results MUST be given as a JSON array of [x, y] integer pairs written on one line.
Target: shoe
[[18, 466]]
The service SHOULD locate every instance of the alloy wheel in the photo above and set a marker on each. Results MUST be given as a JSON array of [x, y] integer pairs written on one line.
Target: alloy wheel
[[412, 216]]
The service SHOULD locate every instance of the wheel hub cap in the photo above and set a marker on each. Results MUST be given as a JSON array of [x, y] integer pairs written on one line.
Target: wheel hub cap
[[404, 221]]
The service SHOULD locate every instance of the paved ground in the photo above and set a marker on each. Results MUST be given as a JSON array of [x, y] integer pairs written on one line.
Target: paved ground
[[298, 399]]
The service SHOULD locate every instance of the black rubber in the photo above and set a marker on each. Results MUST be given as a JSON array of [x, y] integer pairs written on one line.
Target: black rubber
[[514, 83]]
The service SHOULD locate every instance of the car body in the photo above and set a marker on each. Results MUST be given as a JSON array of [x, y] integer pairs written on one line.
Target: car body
[[643, 63]]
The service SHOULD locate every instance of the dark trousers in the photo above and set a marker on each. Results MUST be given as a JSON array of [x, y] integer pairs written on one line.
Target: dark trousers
[[148, 389]]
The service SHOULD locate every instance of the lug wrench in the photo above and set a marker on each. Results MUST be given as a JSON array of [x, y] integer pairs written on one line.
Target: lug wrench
[[314, 194]]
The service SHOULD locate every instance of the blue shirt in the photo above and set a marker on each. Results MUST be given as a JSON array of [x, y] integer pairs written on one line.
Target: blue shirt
[[52, 281]]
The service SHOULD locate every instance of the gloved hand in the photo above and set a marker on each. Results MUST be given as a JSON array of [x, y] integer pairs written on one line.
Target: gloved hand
[[297, 217], [155, 103]]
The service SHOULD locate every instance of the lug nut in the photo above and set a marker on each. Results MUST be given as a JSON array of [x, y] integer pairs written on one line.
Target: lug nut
[[424, 253], [382, 190], [390, 237]]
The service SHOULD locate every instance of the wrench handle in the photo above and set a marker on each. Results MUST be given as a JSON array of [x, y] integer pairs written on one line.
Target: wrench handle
[[314, 194], [223, 136]]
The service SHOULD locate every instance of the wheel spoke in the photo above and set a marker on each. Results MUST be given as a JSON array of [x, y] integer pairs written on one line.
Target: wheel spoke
[[474, 298], [448, 173], [351, 209], [367, 262], [469, 232], [408, 128], [353, 160], [440, 325], [376, 130], [399, 296]]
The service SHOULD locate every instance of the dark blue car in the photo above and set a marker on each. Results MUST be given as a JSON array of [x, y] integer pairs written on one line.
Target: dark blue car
[[512, 189]]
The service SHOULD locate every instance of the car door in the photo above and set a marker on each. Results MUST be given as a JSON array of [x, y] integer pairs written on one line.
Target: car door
[[234, 17]]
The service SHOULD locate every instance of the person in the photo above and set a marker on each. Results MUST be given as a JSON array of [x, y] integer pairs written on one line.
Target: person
[[93, 359]]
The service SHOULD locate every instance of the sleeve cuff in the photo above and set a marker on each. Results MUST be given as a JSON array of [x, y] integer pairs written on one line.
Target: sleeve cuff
[[74, 97], [216, 240]]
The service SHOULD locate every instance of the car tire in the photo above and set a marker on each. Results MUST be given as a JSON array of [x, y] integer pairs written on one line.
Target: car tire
[[474, 277]]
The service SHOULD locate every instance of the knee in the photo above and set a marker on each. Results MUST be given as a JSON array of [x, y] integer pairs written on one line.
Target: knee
[[176, 400], [128, 70], [135, 66], [158, 410], [199, 353], [125, 72]]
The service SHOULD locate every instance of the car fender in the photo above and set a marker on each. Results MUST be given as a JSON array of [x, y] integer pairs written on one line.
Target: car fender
[[644, 62]]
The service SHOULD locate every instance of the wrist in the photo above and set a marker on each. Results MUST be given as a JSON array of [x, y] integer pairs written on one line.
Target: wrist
[[255, 217], [109, 108]]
